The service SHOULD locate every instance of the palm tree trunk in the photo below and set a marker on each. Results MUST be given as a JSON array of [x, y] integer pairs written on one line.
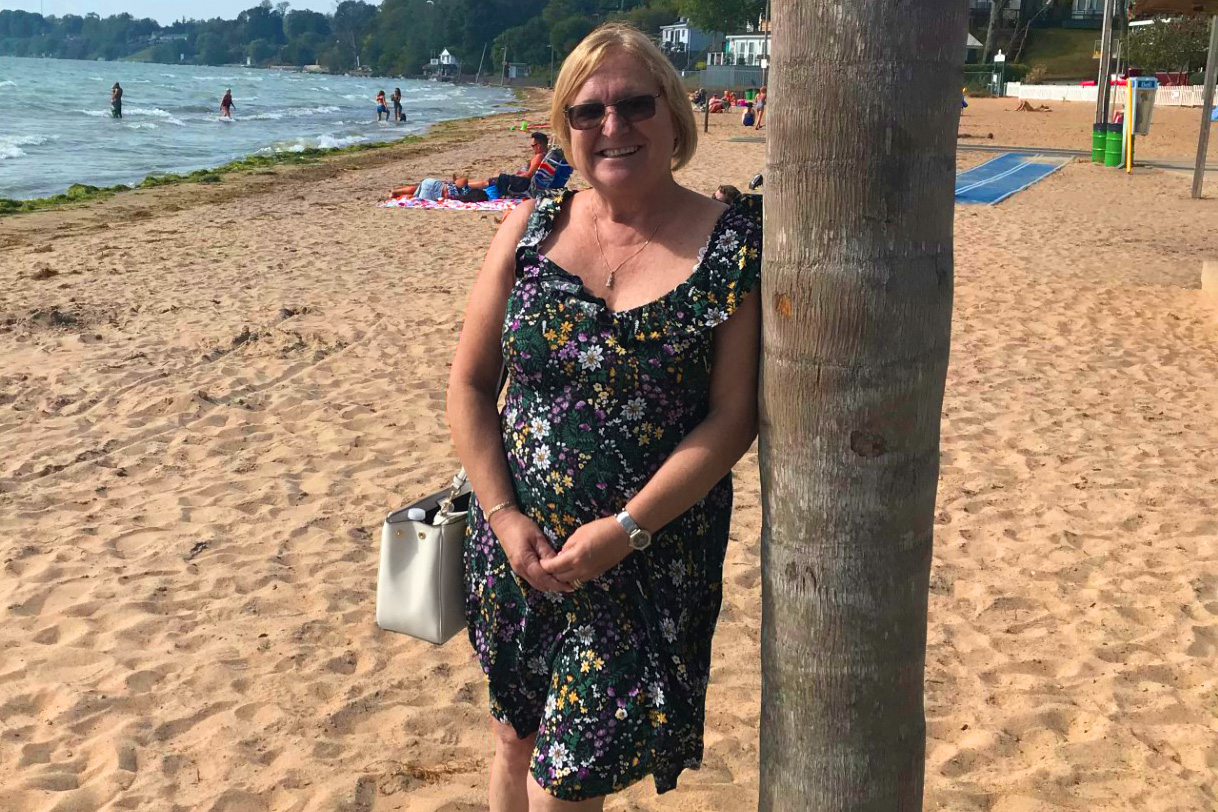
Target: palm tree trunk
[[857, 297]]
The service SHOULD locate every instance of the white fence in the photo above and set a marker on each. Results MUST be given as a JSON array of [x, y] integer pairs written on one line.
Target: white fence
[[1166, 96]]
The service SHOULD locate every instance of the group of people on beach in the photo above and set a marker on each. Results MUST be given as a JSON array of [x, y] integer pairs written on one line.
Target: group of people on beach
[[505, 184], [383, 109], [753, 114]]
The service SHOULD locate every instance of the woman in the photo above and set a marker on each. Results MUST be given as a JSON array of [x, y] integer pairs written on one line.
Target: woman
[[759, 109], [226, 104], [116, 101], [396, 98], [381, 107], [602, 493]]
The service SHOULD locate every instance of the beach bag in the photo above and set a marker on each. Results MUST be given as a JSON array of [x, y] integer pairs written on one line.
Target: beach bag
[[420, 589], [421, 583]]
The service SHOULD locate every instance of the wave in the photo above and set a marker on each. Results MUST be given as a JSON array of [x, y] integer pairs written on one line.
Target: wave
[[25, 140], [7, 83], [155, 112], [321, 142], [140, 125], [294, 112], [7, 152]]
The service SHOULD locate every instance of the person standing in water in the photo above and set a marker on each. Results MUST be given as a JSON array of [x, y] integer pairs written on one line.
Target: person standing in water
[[116, 101], [226, 104], [381, 107], [396, 98]]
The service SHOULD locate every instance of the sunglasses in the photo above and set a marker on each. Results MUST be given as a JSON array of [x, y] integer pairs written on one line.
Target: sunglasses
[[632, 109]]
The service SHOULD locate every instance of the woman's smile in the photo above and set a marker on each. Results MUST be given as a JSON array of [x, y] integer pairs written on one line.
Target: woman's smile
[[618, 152]]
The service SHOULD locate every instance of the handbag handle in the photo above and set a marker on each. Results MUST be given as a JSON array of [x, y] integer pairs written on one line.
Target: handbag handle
[[460, 479]]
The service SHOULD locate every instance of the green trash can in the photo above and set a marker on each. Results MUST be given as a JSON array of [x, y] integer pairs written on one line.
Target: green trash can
[[1099, 143], [1114, 149]]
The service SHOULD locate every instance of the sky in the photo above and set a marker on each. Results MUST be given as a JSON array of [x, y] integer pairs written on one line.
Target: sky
[[163, 11]]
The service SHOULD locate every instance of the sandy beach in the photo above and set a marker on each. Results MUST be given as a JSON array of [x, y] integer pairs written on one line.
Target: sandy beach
[[211, 395]]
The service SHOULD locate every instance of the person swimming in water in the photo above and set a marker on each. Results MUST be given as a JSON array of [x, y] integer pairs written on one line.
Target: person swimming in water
[[116, 101], [226, 104]]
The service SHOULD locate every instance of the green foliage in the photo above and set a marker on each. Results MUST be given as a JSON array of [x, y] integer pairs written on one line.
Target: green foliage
[[567, 33], [649, 19], [725, 16], [1179, 44], [524, 43], [390, 37]]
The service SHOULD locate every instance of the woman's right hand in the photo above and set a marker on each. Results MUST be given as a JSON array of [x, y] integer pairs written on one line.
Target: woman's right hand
[[526, 547]]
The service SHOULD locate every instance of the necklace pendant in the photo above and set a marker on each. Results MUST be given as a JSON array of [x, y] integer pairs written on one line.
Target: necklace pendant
[[609, 281]]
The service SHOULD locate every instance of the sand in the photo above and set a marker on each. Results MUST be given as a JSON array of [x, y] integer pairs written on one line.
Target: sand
[[209, 398]]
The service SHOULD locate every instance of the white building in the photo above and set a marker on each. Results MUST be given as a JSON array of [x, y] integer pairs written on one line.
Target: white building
[[752, 48], [445, 66], [681, 37], [742, 49]]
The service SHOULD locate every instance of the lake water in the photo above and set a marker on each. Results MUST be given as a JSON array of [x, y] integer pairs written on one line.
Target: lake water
[[56, 129]]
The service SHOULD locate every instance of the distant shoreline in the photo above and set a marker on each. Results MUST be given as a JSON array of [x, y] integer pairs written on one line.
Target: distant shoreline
[[281, 68]]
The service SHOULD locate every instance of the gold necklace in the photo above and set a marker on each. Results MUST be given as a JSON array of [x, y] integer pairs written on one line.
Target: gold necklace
[[613, 271]]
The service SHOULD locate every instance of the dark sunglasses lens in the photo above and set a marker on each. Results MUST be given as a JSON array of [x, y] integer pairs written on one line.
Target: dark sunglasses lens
[[637, 108], [586, 116]]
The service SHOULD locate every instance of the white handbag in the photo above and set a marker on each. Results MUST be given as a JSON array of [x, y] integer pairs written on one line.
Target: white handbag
[[420, 588], [421, 585]]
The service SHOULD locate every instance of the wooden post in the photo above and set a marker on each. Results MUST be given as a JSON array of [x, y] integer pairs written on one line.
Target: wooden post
[[1101, 81], [1207, 108], [706, 113]]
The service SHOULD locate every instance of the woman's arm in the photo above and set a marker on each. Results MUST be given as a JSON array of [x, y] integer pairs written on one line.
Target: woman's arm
[[708, 452], [473, 389], [703, 458], [473, 381]]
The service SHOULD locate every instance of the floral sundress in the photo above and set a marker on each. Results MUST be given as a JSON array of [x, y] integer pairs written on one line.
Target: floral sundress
[[612, 677]]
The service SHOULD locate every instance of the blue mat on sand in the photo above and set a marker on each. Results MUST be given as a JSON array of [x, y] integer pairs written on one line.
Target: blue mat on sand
[[994, 181]]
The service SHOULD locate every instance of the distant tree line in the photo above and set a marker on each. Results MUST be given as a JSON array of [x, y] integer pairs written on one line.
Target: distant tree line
[[396, 37]]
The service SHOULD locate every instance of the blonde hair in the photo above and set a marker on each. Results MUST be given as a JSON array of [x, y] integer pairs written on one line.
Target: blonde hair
[[595, 48]]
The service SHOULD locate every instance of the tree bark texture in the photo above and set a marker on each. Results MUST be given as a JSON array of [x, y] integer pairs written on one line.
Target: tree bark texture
[[857, 298]]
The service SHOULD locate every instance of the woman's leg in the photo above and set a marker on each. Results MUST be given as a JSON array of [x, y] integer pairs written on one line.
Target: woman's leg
[[542, 801], [404, 191], [510, 769]]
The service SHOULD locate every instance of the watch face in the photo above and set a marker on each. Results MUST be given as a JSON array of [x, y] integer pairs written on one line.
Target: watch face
[[640, 540]]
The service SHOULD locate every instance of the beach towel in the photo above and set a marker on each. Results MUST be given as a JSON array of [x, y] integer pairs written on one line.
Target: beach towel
[[503, 204]]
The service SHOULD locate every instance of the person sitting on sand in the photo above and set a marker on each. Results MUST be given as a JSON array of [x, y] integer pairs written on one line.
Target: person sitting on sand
[[716, 105], [747, 119], [396, 98], [517, 185], [381, 106], [727, 194], [507, 185], [226, 104], [116, 101]]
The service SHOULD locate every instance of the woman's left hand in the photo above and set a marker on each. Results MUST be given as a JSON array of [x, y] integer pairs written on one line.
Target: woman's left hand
[[592, 550]]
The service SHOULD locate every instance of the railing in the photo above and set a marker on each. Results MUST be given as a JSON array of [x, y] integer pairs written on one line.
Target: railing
[[1165, 96]]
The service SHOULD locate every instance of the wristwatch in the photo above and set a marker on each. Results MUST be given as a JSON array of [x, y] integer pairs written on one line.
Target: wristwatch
[[640, 539]]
